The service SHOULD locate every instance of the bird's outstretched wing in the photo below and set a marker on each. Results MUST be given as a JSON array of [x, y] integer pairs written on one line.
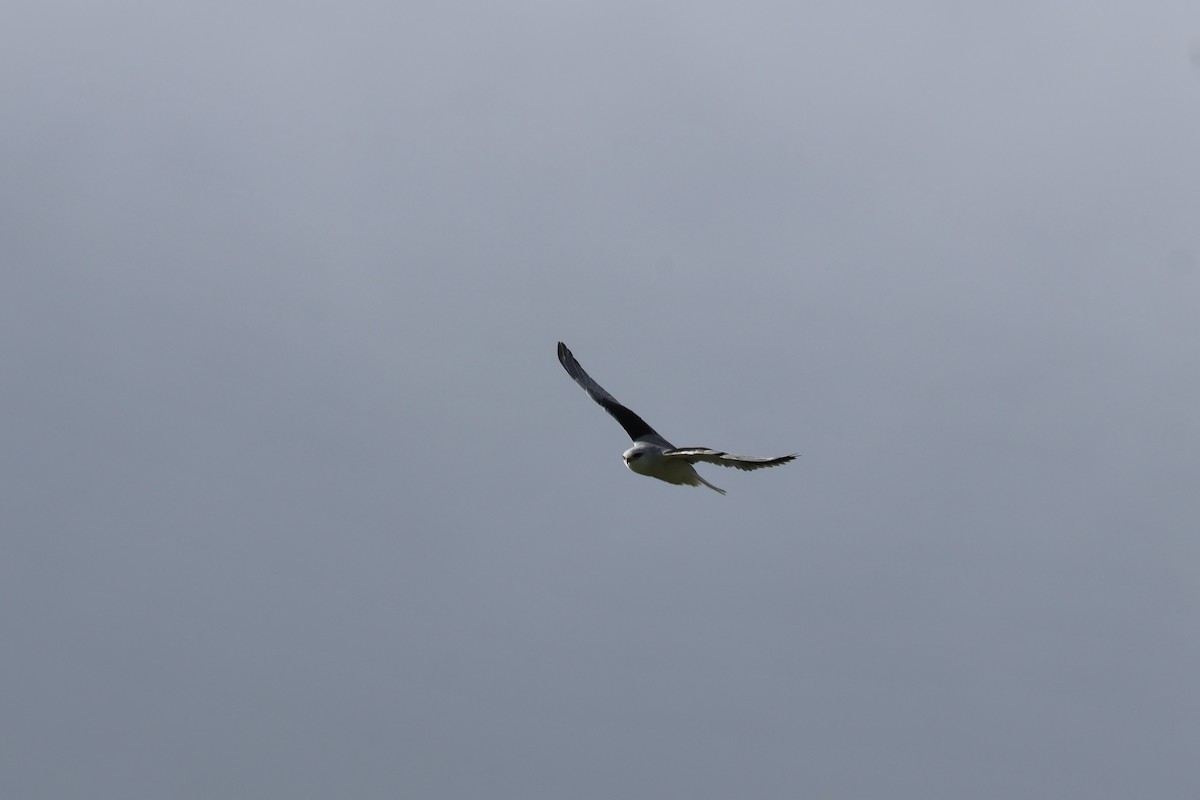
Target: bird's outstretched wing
[[694, 454], [634, 425]]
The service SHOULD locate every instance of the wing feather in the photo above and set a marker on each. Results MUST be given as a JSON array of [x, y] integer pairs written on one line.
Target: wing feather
[[721, 458], [634, 425]]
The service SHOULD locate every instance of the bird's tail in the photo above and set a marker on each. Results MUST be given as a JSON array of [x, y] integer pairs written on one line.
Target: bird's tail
[[709, 485]]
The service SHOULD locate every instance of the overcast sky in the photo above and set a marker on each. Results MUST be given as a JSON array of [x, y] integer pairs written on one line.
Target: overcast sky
[[298, 503]]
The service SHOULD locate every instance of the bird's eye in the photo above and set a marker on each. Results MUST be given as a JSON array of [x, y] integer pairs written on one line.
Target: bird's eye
[[634, 456]]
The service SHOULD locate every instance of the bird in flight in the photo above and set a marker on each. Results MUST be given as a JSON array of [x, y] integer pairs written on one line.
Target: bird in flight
[[651, 454]]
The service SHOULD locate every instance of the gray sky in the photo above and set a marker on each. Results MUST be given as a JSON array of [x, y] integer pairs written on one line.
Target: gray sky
[[299, 504]]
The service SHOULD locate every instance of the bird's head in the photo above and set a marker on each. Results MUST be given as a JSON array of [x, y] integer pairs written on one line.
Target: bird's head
[[639, 457]]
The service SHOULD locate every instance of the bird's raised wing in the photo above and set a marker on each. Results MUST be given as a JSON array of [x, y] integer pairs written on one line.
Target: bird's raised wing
[[694, 454], [634, 425]]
